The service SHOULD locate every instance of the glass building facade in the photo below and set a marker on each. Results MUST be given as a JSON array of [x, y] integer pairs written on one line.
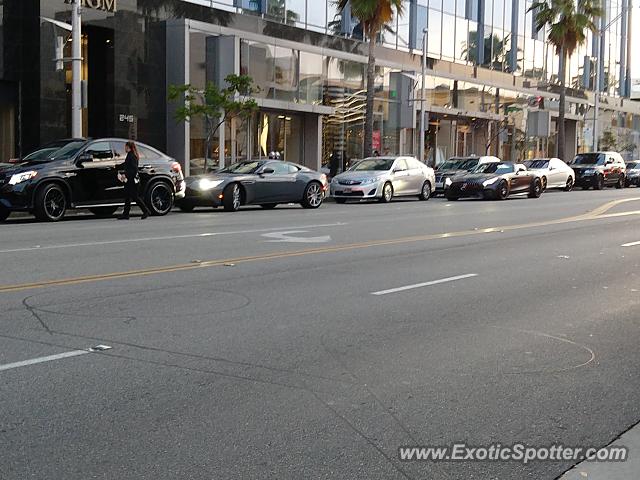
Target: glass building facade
[[491, 83]]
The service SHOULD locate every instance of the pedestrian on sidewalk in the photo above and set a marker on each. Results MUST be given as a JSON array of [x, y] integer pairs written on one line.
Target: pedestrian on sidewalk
[[132, 182]]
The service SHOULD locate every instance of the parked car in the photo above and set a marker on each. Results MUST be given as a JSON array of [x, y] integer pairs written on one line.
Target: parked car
[[495, 180], [383, 178], [633, 174], [599, 170], [457, 165], [260, 182], [84, 174], [554, 173]]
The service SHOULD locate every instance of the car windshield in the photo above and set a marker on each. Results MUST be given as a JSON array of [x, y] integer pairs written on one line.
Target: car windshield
[[470, 164], [536, 164], [450, 165], [44, 154], [589, 159], [242, 167], [69, 150], [497, 168], [377, 164], [633, 165]]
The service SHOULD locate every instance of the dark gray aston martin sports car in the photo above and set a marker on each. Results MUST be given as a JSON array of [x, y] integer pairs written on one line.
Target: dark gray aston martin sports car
[[260, 182]]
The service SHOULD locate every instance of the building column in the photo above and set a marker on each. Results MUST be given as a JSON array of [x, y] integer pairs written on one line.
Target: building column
[[178, 133], [312, 132]]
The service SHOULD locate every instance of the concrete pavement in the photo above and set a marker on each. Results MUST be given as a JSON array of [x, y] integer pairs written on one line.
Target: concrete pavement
[[287, 365]]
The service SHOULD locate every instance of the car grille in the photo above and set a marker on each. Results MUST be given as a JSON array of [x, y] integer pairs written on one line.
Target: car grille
[[349, 194], [468, 186], [349, 182]]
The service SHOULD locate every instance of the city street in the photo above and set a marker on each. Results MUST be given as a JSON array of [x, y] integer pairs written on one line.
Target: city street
[[309, 344]]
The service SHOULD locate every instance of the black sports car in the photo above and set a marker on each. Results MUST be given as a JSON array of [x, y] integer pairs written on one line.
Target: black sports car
[[260, 182], [495, 180], [457, 166], [84, 174]]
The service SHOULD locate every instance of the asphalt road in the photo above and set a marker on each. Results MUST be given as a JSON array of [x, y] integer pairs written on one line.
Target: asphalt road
[[292, 344]]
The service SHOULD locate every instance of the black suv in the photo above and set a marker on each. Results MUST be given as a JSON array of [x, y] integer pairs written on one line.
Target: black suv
[[84, 174], [599, 170]]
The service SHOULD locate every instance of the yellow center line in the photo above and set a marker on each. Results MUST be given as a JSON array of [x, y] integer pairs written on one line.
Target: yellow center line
[[598, 213]]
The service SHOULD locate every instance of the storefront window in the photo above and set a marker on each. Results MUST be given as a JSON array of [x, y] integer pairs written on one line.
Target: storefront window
[[311, 78]]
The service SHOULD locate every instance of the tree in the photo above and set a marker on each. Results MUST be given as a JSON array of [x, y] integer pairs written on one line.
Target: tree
[[214, 104], [568, 22], [374, 16]]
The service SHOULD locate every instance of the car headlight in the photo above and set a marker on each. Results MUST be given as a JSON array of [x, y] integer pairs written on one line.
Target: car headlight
[[22, 177], [447, 182], [206, 184], [334, 180], [368, 181], [491, 181], [590, 170]]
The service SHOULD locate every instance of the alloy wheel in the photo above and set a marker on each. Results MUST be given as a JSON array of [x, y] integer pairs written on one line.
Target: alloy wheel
[[314, 195], [236, 197], [55, 203], [160, 198]]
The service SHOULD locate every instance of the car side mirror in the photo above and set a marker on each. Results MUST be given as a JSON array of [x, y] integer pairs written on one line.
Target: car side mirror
[[267, 171], [85, 157]]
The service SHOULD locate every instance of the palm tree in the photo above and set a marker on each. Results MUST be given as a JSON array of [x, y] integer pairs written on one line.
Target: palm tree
[[568, 22], [374, 16]]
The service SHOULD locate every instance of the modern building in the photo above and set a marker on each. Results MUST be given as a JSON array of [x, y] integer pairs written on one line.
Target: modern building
[[491, 83]]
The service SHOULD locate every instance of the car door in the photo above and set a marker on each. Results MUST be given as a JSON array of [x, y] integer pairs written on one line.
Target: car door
[[273, 182], [417, 175], [401, 177], [116, 190], [557, 176], [96, 174]]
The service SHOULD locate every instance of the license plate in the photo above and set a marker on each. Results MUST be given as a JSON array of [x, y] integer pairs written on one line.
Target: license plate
[[347, 190], [439, 184]]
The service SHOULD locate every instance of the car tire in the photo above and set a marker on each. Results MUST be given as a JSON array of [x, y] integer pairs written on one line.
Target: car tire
[[535, 190], [425, 193], [340, 200], [186, 207], [269, 206], [502, 191], [451, 197], [387, 193], [4, 213], [103, 212], [569, 185], [599, 185], [232, 197], [621, 183], [159, 199], [544, 183], [313, 195], [50, 203]]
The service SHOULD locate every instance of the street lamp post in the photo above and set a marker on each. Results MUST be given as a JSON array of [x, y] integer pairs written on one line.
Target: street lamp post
[[76, 70], [422, 92]]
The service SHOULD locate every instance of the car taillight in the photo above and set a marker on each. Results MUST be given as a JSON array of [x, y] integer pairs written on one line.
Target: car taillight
[[323, 177], [176, 167]]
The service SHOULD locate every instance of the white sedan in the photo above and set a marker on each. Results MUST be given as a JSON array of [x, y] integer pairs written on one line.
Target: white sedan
[[553, 172]]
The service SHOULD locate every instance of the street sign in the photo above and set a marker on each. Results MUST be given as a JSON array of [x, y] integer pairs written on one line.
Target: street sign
[[105, 5]]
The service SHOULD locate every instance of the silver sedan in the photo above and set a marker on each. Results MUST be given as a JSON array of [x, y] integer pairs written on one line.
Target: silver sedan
[[383, 178]]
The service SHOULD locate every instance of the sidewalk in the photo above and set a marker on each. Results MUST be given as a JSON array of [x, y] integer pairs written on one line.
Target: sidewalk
[[627, 470]]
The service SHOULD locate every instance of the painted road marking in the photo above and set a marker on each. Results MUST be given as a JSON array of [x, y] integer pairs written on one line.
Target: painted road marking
[[287, 236], [51, 358], [631, 244], [172, 237], [597, 214], [425, 284]]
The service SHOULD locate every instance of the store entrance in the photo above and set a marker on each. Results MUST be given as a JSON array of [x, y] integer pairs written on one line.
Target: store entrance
[[278, 135]]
